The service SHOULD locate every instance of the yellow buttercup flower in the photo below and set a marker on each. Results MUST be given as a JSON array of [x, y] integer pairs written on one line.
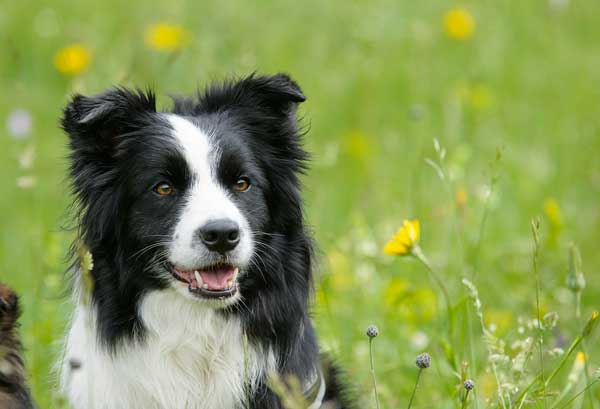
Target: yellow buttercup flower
[[405, 239], [553, 213], [166, 37], [459, 24], [72, 60]]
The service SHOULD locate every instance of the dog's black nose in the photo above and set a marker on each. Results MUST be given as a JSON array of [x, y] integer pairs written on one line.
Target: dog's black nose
[[220, 235]]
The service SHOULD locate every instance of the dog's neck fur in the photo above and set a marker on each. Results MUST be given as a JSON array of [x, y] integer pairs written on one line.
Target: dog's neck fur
[[190, 357]]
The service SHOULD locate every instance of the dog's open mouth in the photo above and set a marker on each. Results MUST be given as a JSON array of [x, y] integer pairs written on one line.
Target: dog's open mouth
[[216, 281]]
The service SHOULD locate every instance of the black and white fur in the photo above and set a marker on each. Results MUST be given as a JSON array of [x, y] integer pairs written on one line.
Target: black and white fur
[[146, 339]]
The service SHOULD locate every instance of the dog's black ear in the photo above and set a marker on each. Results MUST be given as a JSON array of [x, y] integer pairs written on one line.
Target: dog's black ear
[[277, 91], [95, 122], [279, 94], [9, 310]]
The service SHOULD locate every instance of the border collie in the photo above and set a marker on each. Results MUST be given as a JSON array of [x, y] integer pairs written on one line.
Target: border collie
[[201, 273]]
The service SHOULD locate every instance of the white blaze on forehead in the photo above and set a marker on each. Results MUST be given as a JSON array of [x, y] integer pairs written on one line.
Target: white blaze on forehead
[[195, 146], [205, 199]]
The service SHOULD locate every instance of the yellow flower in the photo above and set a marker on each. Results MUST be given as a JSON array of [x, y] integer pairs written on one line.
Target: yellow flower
[[577, 368], [405, 239], [359, 145], [461, 197], [166, 37], [479, 97], [553, 213], [459, 24], [72, 60]]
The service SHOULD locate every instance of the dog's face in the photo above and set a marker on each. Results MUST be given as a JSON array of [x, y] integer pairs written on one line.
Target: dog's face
[[195, 201], [185, 199]]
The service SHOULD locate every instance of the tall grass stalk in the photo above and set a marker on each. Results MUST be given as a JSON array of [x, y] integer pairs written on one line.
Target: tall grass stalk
[[486, 211], [423, 361], [586, 369], [465, 400], [418, 253], [589, 327], [578, 394], [474, 295], [576, 283], [412, 395], [535, 229], [373, 377]]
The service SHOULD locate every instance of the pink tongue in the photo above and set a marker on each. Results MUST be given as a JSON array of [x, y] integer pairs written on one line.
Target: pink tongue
[[217, 279]]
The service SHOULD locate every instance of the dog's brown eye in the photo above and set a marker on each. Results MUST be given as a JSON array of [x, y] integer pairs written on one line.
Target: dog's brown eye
[[242, 184], [163, 189]]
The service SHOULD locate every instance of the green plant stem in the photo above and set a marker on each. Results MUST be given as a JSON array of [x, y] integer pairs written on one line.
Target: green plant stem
[[578, 304], [484, 217], [535, 230], [464, 402], [578, 394], [412, 396], [586, 371], [586, 331], [418, 253], [373, 373], [472, 347], [561, 364]]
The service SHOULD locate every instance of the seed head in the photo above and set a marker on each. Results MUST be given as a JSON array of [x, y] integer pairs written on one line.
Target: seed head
[[372, 331], [469, 384], [423, 361]]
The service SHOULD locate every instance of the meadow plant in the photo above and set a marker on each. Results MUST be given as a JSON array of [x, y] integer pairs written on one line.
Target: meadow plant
[[575, 278], [372, 332], [544, 354], [406, 243], [423, 361], [469, 385]]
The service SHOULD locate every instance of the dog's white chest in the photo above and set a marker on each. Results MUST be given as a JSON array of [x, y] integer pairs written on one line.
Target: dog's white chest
[[192, 358]]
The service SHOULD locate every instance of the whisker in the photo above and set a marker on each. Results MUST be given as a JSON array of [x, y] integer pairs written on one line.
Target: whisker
[[137, 254]]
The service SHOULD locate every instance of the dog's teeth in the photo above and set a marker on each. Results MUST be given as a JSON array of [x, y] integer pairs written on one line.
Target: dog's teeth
[[229, 283], [235, 272], [198, 278], [205, 286]]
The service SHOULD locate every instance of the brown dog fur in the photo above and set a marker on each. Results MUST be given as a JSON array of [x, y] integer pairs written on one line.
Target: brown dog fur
[[14, 393]]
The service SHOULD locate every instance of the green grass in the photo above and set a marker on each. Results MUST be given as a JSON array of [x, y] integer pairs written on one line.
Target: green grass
[[382, 80]]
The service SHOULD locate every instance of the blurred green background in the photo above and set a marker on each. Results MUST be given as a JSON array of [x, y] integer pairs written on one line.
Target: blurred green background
[[510, 90]]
